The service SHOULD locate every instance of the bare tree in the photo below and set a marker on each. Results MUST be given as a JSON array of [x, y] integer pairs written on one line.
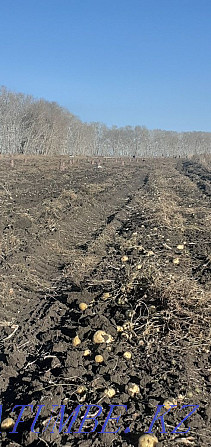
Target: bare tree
[[42, 127]]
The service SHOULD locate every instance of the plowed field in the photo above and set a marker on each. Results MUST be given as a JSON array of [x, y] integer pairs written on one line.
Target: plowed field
[[132, 241]]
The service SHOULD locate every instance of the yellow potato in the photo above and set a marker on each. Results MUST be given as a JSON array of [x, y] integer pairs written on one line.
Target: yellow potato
[[147, 441], [106, 295], [168, 402], [180, 247], [102, 337], [7, 424], [81, 389], [127, 355], [99, 358], [124, 258], [133, 389], [83, 306], [110, 392], [76, 341]]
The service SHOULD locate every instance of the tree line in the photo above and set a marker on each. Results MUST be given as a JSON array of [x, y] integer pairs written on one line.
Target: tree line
[[31, 126]]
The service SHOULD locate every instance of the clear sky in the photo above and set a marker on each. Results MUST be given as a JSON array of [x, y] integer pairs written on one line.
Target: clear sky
[[123, 62]]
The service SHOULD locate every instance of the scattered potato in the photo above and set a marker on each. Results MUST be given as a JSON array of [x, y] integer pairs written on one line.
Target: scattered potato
[[7, 424], [139, 266], [81, 389], [99, 358], [83, 306], [133, 389], [87, 352], [11, 291], [119, 329], [176, 261], [124, 258], [127, 355], [106, 295], [147, 441], [180, 247], [169, 402], [110, 392], [76, 341], [102, 337]]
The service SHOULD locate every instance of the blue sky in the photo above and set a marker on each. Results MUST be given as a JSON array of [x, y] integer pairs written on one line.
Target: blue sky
[[123, 62]]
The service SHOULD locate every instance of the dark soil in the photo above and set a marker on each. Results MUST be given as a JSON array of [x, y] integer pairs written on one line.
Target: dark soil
[[64, 232]]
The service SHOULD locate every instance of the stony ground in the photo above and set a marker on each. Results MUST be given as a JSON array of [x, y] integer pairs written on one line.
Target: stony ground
[[131, 240]]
